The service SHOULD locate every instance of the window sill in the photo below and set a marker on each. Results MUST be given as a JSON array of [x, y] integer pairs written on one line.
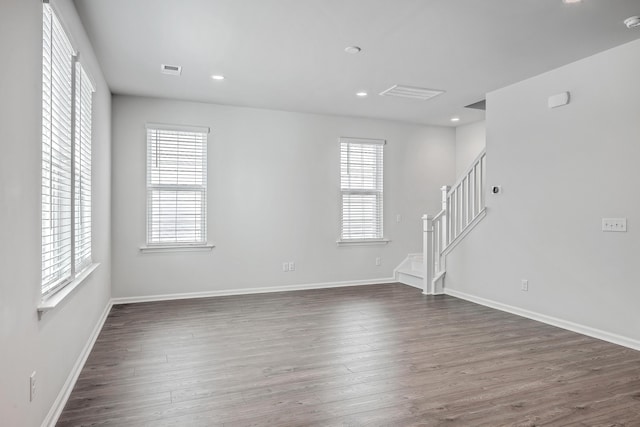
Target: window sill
[[178, 248], [54, 300], [362, 242]]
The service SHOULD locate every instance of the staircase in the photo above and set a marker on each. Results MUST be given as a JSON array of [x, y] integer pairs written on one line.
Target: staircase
[[411, 271], [463, 206]]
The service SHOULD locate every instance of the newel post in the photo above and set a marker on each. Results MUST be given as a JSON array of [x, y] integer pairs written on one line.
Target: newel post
[[427, 254]]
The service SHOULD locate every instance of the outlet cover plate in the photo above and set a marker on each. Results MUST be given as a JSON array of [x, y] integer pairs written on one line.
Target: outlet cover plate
[[614, 224]]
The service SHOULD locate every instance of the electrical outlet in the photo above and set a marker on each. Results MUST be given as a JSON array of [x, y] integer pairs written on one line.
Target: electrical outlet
[[32, 386], [524, 285], [285, 266], [614, 224], [378, 261], [292, 266]]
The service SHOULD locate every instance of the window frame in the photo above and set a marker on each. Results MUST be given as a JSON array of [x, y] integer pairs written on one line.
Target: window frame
[[63, 104], [378, 192], [193, 245]]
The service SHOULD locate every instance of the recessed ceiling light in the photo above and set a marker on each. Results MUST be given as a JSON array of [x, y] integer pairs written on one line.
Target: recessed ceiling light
[[352, 49], [455, 119], [571, 1], [362, 94], [217, 77], [632, 22]]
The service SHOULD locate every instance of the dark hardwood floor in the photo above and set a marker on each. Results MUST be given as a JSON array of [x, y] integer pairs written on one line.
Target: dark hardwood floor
[[382, 355]]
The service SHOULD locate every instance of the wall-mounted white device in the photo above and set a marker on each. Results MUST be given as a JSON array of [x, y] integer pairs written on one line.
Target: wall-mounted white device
[[559, 100], [614, 224], [632, 22]]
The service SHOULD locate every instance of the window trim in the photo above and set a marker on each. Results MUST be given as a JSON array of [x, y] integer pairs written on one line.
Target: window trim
[[381, 239], [205, 245], [61, 294], [151, 249], [362, 242]]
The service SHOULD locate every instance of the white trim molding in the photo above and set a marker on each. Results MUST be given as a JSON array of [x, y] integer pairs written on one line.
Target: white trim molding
[[54, 300], [178, 128], [361, 242], [245, 291], [466, 231], [549, 320], [61, 400], [153, 249], [352, 140]]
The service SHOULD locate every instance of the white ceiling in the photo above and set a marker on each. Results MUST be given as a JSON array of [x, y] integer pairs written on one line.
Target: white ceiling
[[289, 54]]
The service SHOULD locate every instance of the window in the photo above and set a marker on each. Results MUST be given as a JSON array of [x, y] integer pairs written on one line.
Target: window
[[66, 159], [176, 185], [361, 182], [82, 167]]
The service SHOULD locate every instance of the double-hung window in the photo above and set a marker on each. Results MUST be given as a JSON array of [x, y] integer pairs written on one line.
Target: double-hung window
[[67, 93], [176, 186], [361, 189]]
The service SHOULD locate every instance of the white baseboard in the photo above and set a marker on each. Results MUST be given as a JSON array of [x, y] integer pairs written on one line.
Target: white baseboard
[[411, 284], [409, 279], [554, 321], [245, 291], [56, 409]]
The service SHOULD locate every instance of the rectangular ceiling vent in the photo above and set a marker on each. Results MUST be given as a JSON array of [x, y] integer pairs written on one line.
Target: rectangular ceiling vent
[[411, 92], [174, 70]]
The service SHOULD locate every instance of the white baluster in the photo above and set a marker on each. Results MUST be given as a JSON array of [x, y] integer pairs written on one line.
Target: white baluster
[[474, 192]]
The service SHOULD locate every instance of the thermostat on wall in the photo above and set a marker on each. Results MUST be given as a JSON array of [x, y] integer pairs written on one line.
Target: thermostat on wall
[[559, 100]]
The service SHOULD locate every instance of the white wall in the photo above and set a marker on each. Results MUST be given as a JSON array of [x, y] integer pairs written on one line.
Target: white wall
[[470, 141], [273, 197], [562, 170], [50, 346]]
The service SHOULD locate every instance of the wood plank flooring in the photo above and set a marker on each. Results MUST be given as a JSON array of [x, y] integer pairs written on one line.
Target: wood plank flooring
[[381, 355]]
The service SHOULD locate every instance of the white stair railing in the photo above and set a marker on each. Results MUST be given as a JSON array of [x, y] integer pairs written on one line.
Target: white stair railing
[[463, 206]]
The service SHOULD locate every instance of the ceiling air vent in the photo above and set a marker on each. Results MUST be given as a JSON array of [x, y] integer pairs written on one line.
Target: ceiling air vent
[[174, 70], [411, 92]]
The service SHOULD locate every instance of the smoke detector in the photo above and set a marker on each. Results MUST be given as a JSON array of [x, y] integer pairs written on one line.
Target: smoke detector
[[632, 22]]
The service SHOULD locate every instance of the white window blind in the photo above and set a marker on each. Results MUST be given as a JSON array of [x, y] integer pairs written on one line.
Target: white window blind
[[82, 167], [57, 60], [66, 159], [361, 186], [176, 185]]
